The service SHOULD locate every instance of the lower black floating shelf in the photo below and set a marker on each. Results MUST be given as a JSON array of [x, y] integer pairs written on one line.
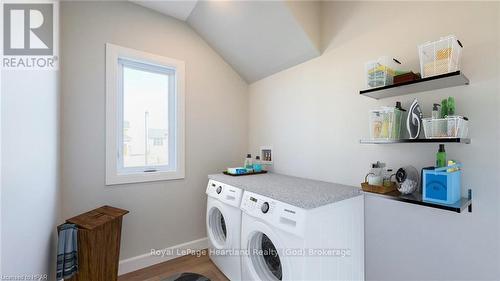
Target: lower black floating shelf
[[458, 207], [452, 140]]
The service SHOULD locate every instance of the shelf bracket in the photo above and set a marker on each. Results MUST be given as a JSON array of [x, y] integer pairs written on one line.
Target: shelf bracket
[[469, 195]]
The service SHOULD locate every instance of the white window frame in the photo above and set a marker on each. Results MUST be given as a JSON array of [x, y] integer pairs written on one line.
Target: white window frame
[[116, 58]]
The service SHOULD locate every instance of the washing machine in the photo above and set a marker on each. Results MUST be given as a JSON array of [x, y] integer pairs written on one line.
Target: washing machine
[[284, 242], [223, 222]]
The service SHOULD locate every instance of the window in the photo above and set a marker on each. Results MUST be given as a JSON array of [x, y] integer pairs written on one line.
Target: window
[[144, 117]]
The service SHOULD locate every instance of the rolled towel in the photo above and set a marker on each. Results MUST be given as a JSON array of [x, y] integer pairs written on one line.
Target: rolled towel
[[67, 251]]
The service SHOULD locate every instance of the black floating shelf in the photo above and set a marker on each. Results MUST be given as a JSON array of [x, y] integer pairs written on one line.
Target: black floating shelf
[[459, 206], [447, 80], [453, 140]]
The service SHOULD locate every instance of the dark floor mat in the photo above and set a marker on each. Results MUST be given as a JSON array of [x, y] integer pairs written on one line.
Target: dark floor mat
[[186, 276]]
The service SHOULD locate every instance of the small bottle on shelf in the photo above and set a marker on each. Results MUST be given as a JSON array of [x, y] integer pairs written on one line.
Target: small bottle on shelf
[[435, 111], [441, 157], [388, 173]]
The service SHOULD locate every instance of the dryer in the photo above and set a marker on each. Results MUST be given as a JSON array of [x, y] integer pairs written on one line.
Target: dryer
[[285, 242], [223, 221]]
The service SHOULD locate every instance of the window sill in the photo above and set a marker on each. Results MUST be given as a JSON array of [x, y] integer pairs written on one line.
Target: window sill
[[143, 177]]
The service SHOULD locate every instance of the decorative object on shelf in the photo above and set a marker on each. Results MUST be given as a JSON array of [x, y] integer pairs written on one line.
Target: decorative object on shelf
[[414, 120], [406, 77], [440, 57], [408, 179], [442, 185]]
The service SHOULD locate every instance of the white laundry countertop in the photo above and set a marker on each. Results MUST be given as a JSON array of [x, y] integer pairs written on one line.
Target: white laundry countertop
[[299, 192]]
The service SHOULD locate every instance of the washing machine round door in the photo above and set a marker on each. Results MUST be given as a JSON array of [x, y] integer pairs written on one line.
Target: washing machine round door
[[264, 257], [217, 227]]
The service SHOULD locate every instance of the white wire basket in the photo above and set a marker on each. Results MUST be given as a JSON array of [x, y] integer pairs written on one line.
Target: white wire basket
[[446, 128], [440, 57]]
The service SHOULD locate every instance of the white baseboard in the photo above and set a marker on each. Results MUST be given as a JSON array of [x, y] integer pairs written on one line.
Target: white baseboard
[[147, 259]]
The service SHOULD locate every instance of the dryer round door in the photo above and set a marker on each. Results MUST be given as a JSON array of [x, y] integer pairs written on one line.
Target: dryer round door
[[217, 226], [265, 260]]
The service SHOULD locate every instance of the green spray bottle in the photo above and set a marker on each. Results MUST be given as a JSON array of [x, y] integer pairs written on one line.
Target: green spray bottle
[[451, 106], [444, 108]]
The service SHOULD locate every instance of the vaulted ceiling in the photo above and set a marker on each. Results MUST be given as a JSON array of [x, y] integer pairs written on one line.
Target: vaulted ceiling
[[257, 38], [177, 9]]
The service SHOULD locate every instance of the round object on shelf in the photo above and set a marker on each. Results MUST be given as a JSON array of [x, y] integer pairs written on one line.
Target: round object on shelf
[[407, 179]]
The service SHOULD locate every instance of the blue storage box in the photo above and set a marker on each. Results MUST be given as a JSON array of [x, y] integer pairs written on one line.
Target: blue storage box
[[440, 186]]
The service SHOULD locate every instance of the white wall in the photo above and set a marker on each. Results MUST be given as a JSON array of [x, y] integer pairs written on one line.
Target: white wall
[[29, 169], [1, 182], [30, 192], [313, 116], [165, 213]]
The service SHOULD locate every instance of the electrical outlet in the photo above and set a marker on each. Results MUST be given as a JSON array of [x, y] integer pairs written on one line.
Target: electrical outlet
[[266, 154]]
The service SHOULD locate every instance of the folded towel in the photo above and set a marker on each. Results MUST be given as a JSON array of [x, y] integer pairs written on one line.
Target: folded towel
[[67, 251]]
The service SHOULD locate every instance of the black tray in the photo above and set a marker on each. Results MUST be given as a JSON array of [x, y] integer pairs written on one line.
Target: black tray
[[246, 174]]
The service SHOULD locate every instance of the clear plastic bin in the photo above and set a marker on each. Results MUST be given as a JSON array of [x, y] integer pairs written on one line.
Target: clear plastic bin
[[381, 72], [385, 123], [443, 128], [440, 57]]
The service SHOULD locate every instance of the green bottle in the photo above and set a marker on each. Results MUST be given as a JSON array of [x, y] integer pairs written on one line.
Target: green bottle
[[444, 108], [451, 106], [441, 157]]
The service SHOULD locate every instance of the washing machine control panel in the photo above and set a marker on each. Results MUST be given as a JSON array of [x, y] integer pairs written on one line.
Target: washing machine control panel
[[278, 214], [265, 207], [226, 193], [257, 205]]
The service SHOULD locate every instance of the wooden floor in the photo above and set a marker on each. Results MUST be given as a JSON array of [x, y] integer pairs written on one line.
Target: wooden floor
[[201, 265]]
